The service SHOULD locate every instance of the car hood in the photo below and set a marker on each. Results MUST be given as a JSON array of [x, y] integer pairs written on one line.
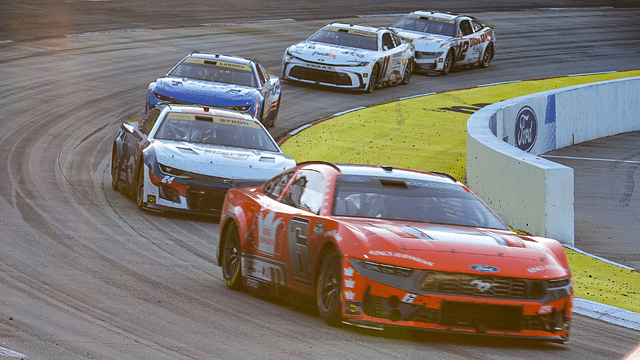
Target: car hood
[[205, 92], [329, 54], [221, 161], [423, 41], [457, 249]]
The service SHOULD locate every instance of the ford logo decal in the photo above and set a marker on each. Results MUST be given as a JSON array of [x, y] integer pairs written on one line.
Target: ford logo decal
[[484, 268], [526, 129]]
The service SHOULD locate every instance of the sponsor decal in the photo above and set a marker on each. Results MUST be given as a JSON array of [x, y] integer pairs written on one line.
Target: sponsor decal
[[482, 286], [547, 309], [349, 284], [544, 267], [484, 268], [263, 270], [318, 229], [348, 271], [349, 295], [401, 256], [353, 308], [324, 54], [526, 129], [267, 227], [409, 298], [234, 156]]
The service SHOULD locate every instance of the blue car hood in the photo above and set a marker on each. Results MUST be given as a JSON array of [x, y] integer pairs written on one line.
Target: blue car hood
[[206, 92]]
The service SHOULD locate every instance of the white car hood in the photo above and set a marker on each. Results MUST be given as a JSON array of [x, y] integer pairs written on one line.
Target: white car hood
[[329, 54], [222, 161]]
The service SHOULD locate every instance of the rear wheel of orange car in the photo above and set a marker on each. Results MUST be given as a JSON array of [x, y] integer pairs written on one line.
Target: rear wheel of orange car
[[231, 265], [328, 289]]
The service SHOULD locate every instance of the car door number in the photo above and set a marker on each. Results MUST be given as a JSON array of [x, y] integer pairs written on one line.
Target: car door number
[[463, 50], [299, 250]]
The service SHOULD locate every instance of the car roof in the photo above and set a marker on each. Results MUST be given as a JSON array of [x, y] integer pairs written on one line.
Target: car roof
[[440, 15], [230, 58], [343, 25], [382, 171]]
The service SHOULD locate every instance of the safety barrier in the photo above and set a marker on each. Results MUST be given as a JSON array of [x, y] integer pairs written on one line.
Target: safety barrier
[[504, 140]]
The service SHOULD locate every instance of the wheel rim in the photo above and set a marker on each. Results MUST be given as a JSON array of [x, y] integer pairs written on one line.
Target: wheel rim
[[373, 79], [330, 292], [487, 56], [231, 259], [447, 64]]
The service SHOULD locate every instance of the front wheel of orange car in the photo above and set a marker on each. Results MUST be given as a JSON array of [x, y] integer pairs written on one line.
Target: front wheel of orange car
[[328, 289], [231, 264]]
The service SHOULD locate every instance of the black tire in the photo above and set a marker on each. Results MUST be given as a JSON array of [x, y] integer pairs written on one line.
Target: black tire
[[486, 57], [329, 289], [408, 71], [139, 194], [275, 114], [448, 64], [374, 78], [115, 183], [231, 259]]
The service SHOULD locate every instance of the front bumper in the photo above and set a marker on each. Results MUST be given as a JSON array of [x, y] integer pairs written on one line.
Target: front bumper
[[429, 61], [390, 300], [197, 194], [346, 77]]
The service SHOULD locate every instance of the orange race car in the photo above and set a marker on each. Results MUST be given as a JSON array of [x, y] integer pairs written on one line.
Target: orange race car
[[379, 246]]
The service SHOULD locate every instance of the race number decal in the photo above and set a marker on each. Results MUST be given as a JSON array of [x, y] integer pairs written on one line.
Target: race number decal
[[463, 50], [299, 250]]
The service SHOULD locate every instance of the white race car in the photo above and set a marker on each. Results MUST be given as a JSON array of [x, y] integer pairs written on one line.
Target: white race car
[[351, 57], [184, 158], [444, 40]]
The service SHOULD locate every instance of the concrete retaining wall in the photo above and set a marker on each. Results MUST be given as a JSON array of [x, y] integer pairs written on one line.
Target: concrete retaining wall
[[503, 140]]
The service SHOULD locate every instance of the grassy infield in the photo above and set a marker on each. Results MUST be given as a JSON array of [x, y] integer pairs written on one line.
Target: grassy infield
[[429, 133]]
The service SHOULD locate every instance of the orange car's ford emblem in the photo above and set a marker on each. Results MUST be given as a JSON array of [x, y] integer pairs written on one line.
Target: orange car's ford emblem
[[484, 268]]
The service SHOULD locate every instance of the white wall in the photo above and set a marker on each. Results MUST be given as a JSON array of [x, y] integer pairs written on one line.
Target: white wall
[[503, 140]]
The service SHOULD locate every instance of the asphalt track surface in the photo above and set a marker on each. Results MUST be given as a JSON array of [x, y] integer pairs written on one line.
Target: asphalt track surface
[[85, 275]]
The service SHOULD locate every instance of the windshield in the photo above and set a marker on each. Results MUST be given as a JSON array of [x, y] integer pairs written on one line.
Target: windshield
[[429, 25], [345, 37], [215, 70], [411, 200], [215, 130]]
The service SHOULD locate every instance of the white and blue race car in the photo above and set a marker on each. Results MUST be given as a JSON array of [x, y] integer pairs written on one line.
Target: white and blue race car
[[184, 158], [444, 40], [230, 82], [350, 57]]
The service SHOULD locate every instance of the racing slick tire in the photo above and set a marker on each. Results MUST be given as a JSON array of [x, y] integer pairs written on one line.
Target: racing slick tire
[[328, 289], [448, 64], [275, 114], [487, 56], [408, 71], [231, 263], [373, 79], [139, 194], [114, 171]]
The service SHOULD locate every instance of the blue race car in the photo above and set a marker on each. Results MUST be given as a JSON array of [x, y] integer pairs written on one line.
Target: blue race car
[[223, 81]]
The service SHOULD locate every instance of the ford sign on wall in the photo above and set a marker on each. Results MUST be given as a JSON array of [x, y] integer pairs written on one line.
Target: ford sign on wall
[[526, 129]]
